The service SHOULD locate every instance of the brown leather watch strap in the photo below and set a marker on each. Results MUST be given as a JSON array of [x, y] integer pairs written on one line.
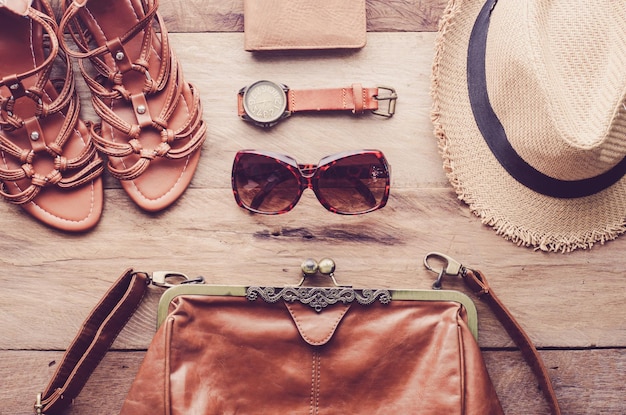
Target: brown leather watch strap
[[92, 342], [477, 282], [355, 99]]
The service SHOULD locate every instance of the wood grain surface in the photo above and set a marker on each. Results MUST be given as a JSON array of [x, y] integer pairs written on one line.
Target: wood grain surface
[[572, 305]]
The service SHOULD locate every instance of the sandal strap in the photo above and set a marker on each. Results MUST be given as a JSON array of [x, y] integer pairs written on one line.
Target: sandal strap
[[194, 132], [42, 71], [66, 96], [88, 163], [88, 173], [22, 197], [69, 23], [173, 96], [168, 81], [70, 20], [49, 26]]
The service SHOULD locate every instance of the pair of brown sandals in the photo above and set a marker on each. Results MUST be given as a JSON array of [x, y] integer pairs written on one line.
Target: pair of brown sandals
[[151, 130]]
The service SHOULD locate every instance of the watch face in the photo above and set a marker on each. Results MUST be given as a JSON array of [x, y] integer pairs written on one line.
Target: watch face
[[265, 101]]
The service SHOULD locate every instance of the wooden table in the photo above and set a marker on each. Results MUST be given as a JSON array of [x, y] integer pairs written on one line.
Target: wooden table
[[572, 305]]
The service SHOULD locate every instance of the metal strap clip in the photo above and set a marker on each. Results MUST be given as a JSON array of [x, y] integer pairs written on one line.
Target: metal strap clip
[[450, 267], [38, 405], [160, 279]]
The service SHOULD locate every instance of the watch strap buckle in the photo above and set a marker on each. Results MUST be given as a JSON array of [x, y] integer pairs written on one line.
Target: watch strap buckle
[[390, 97]]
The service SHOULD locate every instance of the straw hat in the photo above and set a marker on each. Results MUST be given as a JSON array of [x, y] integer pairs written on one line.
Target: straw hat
[[544, 95]]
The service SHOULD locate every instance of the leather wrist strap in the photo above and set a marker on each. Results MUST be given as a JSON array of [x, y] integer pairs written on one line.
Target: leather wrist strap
[[354, 98], [119, 303], [477, 282], [92, 342]]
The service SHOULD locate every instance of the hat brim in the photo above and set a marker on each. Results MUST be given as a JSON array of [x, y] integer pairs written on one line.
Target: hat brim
[[516, 212]]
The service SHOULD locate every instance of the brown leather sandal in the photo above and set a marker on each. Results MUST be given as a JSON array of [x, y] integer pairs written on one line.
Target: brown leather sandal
[[152, 129], [48, 163]]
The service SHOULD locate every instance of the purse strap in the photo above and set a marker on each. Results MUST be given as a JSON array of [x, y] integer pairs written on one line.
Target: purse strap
[[477, 282], [93, 340], [117, 306]]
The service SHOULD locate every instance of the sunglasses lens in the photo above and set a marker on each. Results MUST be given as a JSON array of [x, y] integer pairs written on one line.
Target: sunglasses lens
[[354, 184], [264, 185]]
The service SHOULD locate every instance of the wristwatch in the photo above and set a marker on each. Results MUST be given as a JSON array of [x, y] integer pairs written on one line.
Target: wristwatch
[[265, 103]]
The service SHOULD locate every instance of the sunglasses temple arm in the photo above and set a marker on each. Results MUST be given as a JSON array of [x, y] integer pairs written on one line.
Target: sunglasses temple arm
[[271, 183], [364, 191]]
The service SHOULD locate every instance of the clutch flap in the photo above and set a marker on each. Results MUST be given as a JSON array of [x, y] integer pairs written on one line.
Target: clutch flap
[[317, 328]]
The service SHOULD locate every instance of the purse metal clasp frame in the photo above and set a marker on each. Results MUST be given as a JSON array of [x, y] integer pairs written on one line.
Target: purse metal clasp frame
[[318, 298], [325, 267], [451, 267]]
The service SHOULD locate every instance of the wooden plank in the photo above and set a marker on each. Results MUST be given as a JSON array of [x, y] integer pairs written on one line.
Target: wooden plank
[[228, 15], [199, 16], [404, 15], [207, 234], [588, 382]]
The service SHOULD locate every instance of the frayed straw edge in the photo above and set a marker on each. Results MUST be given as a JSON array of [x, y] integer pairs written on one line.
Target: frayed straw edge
[[520, 236], [542, 242]]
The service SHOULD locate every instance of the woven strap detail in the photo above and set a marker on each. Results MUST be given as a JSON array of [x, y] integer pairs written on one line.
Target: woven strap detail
[[109, 87], [66, 173]]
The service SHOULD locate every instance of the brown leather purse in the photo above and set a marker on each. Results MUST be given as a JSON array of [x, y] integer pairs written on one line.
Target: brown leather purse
[[299, 349]]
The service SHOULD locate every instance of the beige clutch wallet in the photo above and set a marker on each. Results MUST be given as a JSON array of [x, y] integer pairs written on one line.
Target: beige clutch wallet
[[304, 24]]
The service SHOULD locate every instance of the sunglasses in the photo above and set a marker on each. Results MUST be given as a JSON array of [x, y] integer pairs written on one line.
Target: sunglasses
[[348, 183]]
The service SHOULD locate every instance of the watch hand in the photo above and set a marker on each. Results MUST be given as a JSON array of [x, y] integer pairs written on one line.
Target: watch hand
[[261, 102]]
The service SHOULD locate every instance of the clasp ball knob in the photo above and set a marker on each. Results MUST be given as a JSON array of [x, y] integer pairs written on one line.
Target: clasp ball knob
[[326, 266], [309, 267]]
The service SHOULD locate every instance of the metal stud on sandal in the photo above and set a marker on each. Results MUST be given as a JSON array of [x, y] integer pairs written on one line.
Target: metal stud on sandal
[[152, 129], [48, 163]]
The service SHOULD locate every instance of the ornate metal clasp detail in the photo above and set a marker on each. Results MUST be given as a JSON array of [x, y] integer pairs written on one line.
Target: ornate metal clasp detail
[[319, 298]]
